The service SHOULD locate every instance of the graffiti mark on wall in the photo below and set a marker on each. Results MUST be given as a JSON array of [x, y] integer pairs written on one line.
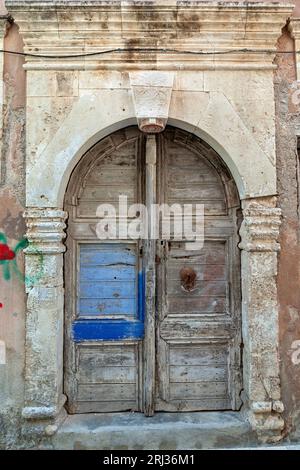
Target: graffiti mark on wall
[[8, 261], [5, 252]]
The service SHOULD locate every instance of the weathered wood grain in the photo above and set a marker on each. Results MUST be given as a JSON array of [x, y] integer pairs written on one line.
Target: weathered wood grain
[[106, 193], [112, 174], [200, 404], [105, 374], [205, 272], [88, 208], [201, 288], [110, 406], [106, 392], [196, 373], [193, 329], [197, 355], [198, 390], [196, 305]]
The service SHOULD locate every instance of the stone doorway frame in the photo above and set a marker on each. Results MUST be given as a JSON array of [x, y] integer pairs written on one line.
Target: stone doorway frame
[[44, 399]]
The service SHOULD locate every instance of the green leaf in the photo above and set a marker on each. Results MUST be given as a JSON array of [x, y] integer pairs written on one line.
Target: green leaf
[[21, 245], [6, 271], [3, 238]]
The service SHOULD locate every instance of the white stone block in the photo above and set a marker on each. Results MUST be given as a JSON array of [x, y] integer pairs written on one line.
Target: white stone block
[[189, 81], [103, 79]]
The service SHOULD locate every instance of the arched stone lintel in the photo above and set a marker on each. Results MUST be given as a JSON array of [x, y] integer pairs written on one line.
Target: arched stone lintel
[[217, 123]]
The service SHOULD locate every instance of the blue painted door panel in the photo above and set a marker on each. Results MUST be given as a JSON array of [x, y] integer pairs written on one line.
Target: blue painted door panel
[[114, 290], [109, 255], [106, 273], [110, 301], [107, 330], [107, 306]]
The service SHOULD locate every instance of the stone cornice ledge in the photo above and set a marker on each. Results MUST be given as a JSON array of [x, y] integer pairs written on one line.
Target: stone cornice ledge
[[79, 27]]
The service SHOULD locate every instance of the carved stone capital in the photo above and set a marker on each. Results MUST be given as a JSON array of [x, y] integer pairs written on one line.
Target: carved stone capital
[[260, 228], [45, 230], [266, 419], [5, 22], [294, 29]]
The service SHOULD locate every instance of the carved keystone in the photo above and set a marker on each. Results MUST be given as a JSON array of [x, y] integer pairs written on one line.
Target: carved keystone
[[151, 96]]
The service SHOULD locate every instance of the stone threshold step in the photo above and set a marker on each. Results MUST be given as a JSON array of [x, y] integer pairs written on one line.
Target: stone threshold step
[[163, 431]]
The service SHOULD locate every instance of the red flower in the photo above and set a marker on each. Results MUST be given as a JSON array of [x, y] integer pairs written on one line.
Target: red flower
[[6, 253]]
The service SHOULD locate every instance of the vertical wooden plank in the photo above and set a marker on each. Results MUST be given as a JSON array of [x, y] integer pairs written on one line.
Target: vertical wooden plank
[[149, 342], [163, 372], [70, 384]]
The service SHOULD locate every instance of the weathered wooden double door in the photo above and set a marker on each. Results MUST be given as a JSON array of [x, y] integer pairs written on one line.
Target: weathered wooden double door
[[152, 325]]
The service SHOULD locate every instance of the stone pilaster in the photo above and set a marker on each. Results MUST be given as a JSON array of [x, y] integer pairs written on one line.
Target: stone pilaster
[[44, 319], [4, 24], [259, 243]]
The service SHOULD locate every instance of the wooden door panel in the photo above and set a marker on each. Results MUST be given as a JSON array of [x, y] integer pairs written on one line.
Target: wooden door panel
[[104, 304], [209, 293], [198, 331], [107, 377], [194, 376], [115, 174], [113, 289]]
